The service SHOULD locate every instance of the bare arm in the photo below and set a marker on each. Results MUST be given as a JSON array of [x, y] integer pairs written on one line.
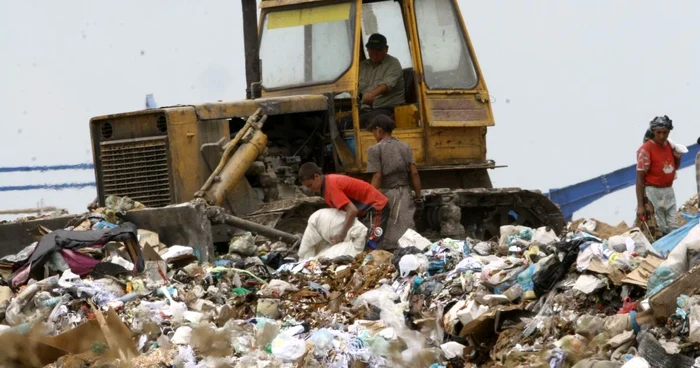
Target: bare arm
[[415, 180], [368, 97], [350, 216], [377, 179], [640, 192]]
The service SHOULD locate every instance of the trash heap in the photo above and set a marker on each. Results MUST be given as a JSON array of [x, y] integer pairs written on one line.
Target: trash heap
[[104, 293]]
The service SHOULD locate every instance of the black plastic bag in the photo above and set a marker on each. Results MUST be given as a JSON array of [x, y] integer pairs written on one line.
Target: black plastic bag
[[565, 254]]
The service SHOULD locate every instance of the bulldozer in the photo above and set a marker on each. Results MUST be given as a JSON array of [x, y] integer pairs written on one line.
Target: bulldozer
[[302, 62]]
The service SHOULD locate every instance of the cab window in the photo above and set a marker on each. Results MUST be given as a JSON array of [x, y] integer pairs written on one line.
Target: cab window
[[447, 62]]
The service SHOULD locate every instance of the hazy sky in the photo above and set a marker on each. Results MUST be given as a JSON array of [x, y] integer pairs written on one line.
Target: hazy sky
[[574, 83]]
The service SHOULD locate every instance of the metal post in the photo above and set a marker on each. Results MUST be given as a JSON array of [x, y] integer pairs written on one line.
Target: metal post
[[251, 47], [217, 216]]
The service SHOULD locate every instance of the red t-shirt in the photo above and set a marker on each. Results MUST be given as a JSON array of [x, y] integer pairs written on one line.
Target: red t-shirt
[[658, 162], [339, 190]]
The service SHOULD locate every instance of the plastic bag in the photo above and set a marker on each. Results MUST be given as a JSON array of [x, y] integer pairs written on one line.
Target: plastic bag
[[677, 147], [676, 263], [323, 341], [412, 262], [288, 348], [551, 269], [545, 236], [617, 324], [452, 349], [641, 243], [588, 225], [517, 231], [482, 248], [636, 362], [666, 244], [589, 326], [177, 251], [412, 239], [276, 288], [694, 319], [243, 245], [322, 226]]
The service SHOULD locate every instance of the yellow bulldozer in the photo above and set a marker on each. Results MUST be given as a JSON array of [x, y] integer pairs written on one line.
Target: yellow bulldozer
[[302, 74]]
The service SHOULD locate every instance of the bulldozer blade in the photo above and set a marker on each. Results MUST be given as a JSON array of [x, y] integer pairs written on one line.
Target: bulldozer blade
[[184, 224], [15, 236]]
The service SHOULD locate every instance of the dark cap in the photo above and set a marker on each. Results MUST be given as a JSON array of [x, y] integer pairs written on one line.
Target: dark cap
[[376, 42], [382, 121]]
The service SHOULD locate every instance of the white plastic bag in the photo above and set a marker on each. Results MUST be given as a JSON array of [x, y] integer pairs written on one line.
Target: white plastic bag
[[636, 362], [452, 349], [323, 225], [413, 262], [694, 319], [641, 243], [412, 239], [588, 225], [508, 230], [677, 148], [276, 288], [177, 251], [544, 236], [182, 336], [287, 348]]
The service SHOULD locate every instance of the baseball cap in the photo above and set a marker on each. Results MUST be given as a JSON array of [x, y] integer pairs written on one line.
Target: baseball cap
[[376, 42]]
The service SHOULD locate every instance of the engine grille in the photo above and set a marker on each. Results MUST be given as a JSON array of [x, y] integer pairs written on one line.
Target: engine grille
[[137, 168]]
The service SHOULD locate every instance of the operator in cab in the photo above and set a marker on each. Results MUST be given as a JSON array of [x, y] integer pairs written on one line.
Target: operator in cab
[[657, 163], [381, 83], [391, 163]]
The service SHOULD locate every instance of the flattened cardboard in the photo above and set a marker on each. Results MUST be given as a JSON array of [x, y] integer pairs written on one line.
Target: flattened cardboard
[[82, 338], [484, 324], [640, 276], [613, 273], [116, 334], [5, 294], [155, 265], [147, 237]]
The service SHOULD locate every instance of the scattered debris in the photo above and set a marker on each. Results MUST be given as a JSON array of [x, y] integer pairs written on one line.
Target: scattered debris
[[596, 296]]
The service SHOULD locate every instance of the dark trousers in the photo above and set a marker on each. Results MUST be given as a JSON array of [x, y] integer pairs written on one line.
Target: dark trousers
[[366, 117]]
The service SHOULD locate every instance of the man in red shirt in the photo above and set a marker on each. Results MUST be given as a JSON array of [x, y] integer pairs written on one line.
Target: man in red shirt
[[656, 171], [356, 197]]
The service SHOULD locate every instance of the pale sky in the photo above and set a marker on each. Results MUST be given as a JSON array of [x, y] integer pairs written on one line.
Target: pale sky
[[574, 83]]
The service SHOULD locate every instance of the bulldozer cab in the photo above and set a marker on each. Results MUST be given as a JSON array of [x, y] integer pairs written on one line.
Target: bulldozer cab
[[303, 62], [310, 47]]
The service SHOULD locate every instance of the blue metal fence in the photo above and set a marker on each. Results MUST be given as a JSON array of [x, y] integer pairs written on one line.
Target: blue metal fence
[[570, 198], [574, 197], [60, 186]]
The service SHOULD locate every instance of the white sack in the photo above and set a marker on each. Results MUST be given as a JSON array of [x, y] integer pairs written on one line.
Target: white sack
[[323, 225]]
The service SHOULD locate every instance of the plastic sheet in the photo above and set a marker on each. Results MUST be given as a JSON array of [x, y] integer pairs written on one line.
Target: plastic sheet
[[666, 244]]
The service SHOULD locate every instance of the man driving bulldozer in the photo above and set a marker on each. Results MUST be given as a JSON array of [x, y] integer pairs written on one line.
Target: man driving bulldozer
[[381, 83]]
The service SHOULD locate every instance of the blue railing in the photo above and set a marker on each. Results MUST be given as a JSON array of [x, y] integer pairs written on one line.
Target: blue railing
[[570, 198], [574, 197], [60, 186]]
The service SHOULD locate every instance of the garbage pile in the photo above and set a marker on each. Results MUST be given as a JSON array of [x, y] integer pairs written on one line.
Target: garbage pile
[[105, 293]]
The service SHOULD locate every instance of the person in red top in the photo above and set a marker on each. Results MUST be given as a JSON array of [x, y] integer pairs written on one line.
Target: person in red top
[[356, 197], [656, 171]]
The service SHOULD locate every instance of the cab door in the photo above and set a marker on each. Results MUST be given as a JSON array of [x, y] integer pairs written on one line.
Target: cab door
[[450, 81], [388, 18], [454, 102]]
